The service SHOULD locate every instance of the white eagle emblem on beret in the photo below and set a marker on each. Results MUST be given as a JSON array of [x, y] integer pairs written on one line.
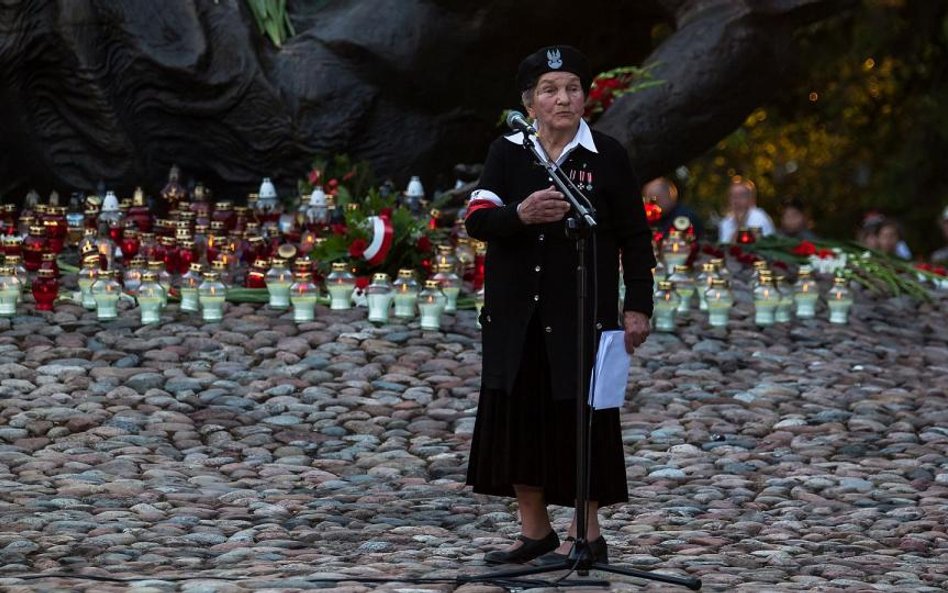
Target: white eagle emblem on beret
[[553, 59]]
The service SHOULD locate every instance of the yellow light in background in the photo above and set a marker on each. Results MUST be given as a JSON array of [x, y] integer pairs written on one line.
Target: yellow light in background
[[814, 96], [869, 64]]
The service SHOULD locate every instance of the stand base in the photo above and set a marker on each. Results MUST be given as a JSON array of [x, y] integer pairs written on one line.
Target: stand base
[[580, 560]]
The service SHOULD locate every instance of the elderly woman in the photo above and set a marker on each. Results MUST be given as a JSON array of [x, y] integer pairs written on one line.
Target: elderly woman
[[524, 437]]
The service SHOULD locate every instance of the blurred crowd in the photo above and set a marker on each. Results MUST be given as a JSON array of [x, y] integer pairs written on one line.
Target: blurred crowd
[[876, 231]]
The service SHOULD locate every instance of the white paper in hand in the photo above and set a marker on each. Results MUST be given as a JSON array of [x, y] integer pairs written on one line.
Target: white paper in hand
[[610, 372]]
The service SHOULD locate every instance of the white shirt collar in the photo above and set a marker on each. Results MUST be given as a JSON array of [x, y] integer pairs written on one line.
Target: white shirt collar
[[582, 138]]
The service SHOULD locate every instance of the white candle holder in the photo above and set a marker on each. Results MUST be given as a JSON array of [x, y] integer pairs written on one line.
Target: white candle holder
[[406, 294], [666, 306], [211, 296], [149, 298], [303, 295], [379, 296], [431, 302], [720, 301], [106, 292]]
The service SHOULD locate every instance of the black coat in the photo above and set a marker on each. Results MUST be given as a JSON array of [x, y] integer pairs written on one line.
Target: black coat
[[531, 269]]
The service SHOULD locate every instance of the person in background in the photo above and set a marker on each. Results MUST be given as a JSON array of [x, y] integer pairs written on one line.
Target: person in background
[[795, 221], [743, 212], [666, 196], [867, 234], [889, 238], [940, 256]]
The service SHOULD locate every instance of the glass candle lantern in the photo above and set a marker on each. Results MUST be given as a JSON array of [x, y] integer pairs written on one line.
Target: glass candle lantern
[[45, 290], [224, 273], [445, 255], [211, 295], [88, 274], [805, 294], [745, 236], [766, 299], [784, 311], [720, 267], [16, 262], [760, 268], [450, 285], [12, 245], [257, 275], [684, 286], [106, 291], [164, 278], [132, 278], [431, 302], [56, 228], [379, 296], [703, 283], [49, 263], [278, 280], [11, 290], [340, 284], [34, 246], [840, 300], [131, 243], [666, 305], [720, 300], [406, 294], [675, 249], [303, 294], [150, 296], [189, 288]]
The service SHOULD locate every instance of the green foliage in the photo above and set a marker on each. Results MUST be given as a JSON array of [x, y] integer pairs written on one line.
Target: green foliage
[[340, 176], [864, 127], [272, 19]]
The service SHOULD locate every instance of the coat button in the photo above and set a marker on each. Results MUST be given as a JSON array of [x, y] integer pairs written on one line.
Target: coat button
[[598, 325], [536, 269], [541, 237], [536, 297], [549, 329]]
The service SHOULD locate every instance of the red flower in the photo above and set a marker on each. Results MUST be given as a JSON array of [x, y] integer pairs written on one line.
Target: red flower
[[348, 176], [362, 282], [923, 266], [780, 264], [736, 251], [338, 228], [357, 248], [314, 177], [657, 236], [333, 183], [386, 213], [825, 253], [805, 248], [424, 244], [426, 265], [940, 271]]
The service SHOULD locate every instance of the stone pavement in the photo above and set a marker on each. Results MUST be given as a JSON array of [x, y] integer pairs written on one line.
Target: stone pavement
[[258, 455]]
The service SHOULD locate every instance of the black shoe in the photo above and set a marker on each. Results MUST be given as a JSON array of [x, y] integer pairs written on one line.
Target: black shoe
[[597, 547], [530, 549]]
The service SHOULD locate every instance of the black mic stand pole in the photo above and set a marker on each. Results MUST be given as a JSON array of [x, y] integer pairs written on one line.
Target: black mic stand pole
[[581, 227]]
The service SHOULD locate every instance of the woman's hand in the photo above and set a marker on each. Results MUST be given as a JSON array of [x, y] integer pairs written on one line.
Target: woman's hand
[[636, 330], [545, 205]]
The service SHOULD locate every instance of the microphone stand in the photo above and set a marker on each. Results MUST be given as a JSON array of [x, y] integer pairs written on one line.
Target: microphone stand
[[581, 228]]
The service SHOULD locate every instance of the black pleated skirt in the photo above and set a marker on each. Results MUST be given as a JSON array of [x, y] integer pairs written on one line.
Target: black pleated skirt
[[527, 438]]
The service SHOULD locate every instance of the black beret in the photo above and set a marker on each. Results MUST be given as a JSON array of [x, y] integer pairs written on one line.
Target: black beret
[[555, 58]]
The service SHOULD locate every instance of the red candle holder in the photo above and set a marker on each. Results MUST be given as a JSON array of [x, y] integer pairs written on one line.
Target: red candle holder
[[34, 246], [49, 263], [224, 213], [187, 255], [131, 243], [45, 290], [169, 254], [745, 236]]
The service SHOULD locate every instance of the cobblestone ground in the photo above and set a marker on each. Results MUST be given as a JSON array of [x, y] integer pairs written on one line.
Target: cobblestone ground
[[258, 455]]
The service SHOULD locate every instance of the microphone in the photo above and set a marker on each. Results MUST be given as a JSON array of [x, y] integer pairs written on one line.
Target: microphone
[[518, 123]]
